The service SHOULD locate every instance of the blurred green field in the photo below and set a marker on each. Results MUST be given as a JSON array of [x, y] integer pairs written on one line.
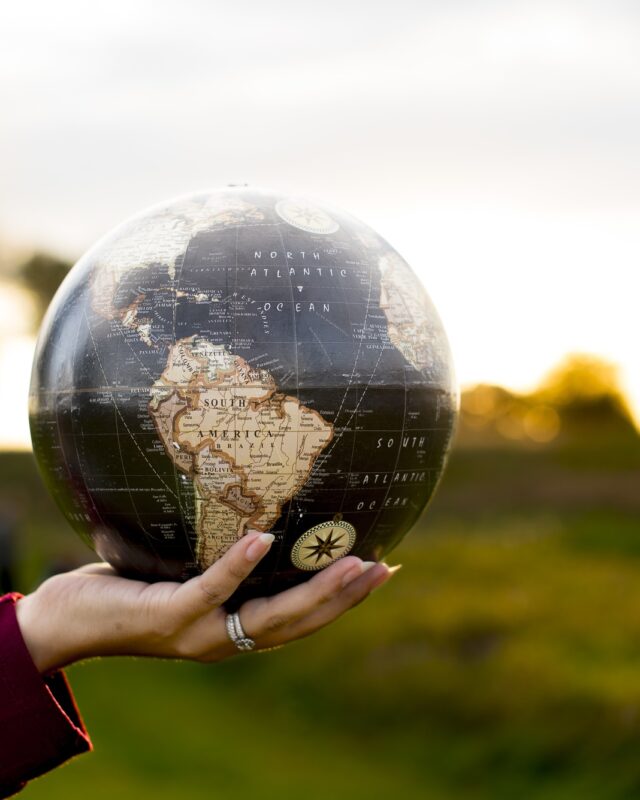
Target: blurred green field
[[502, 662]]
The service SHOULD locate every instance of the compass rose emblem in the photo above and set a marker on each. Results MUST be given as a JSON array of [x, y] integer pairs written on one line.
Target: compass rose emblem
[[306, 216], [322, 545]]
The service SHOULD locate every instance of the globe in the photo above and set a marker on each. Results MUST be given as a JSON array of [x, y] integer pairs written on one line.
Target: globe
[[239, 360]]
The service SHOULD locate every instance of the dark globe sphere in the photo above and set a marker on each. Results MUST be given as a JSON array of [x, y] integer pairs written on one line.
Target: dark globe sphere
[[239, 360]]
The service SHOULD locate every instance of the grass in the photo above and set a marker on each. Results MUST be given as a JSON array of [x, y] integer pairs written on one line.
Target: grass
[[502, 662]]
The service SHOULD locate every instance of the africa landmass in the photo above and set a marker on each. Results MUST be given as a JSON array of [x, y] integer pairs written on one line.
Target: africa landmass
[[246, 447], [407, 312]]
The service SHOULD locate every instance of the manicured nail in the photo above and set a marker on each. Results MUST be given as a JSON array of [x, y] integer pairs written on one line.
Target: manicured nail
[[385, 577], [259, 546], [355, 572]]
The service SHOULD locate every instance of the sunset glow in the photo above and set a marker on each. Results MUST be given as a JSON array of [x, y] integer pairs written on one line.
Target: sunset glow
[[496, 149]]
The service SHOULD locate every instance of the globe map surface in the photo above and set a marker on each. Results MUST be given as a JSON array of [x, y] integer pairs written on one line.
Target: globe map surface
[[238, 360]]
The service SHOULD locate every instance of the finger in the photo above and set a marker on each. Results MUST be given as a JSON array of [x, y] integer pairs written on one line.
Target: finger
[[267, 615], [219, 582], [264, 614], [348, 596], [351, 596]]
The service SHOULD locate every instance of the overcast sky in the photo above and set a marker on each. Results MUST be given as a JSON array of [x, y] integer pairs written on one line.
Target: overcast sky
[[495, 144]]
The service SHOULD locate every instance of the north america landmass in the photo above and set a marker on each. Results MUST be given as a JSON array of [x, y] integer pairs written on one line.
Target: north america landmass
[[162, 239]]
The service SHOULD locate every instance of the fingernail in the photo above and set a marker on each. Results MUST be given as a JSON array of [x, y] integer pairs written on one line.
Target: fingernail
[[385, 577], [259, 546], [355, 572]]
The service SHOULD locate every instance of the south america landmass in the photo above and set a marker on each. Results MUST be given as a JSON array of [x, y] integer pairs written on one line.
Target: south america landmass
[[246, 447]]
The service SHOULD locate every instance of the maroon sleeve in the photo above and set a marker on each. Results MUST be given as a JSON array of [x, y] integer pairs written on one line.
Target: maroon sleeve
[[40, 725]]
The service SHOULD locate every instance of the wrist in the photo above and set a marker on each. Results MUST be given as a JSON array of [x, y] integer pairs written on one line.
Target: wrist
[[39, 639], [53, 627]]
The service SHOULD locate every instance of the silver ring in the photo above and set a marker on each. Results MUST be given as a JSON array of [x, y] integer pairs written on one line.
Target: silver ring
[[237, 634]]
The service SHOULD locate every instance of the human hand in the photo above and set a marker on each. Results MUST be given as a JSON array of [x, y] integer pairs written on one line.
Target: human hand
[[91, 611]]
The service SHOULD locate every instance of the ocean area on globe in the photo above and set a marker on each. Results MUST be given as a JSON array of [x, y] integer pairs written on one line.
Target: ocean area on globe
[[239, 360]]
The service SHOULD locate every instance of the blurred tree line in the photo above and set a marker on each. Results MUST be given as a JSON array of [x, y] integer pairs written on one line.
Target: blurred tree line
[[41, 274], [580, 396]]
